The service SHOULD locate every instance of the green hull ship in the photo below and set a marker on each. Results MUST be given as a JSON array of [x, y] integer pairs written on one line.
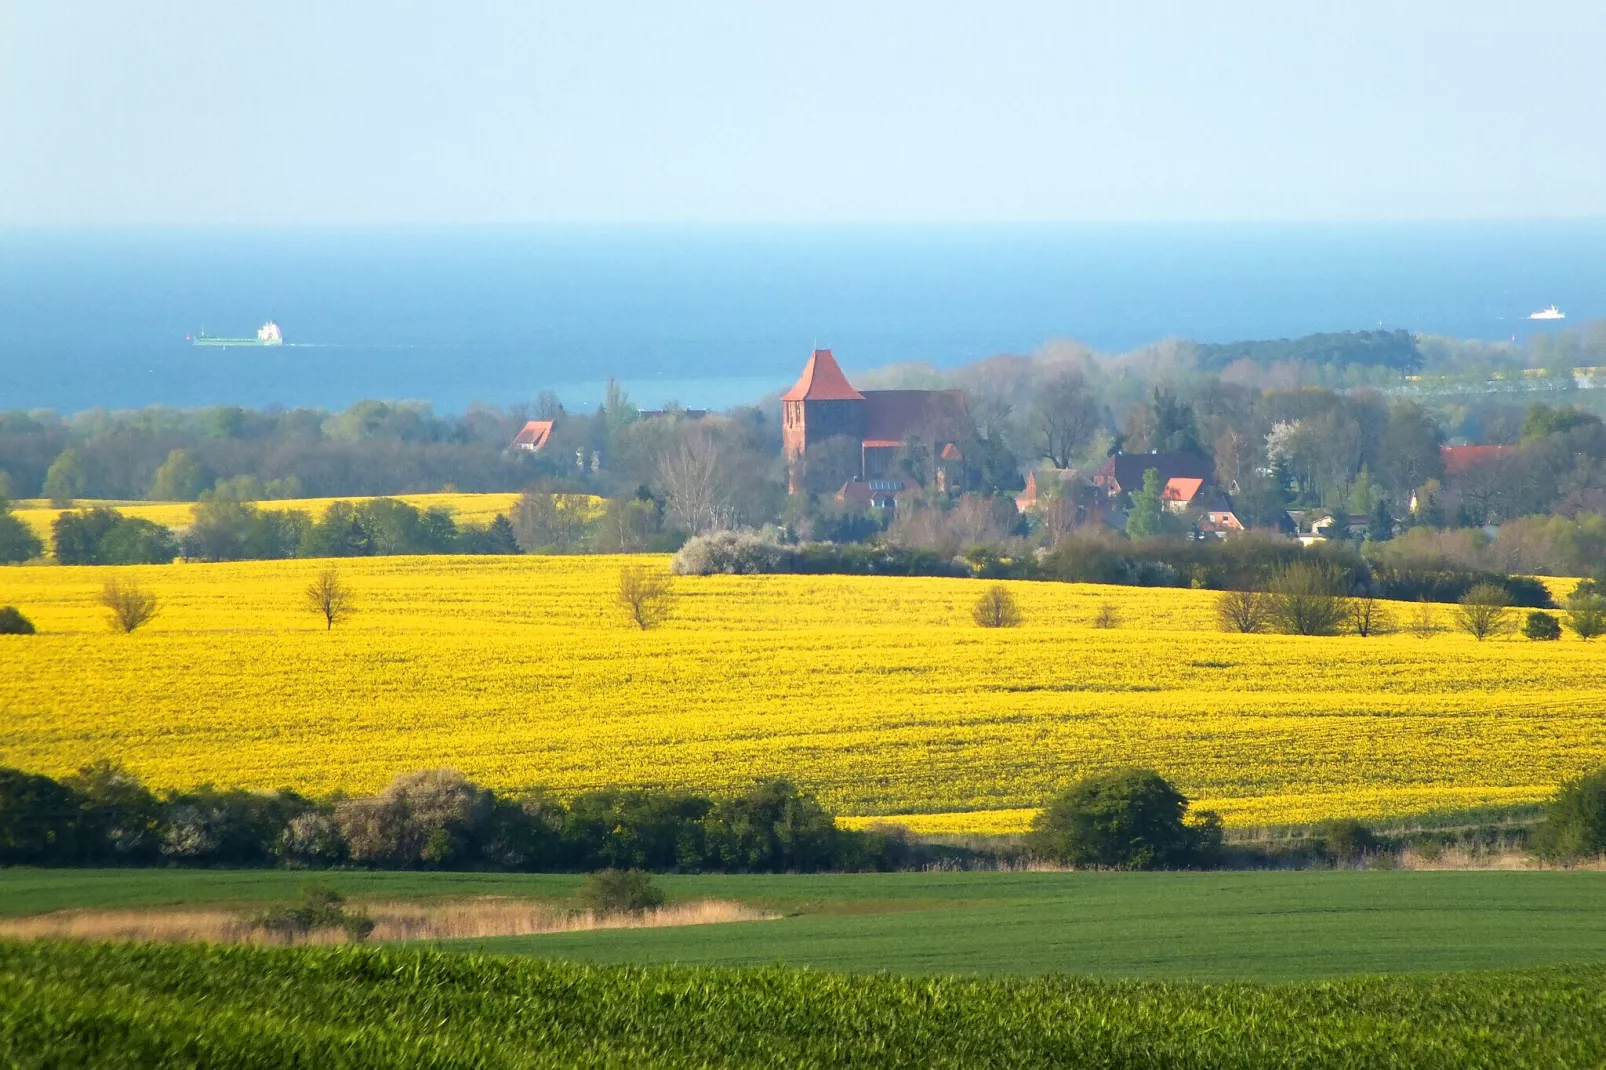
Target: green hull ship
[[267, 335]]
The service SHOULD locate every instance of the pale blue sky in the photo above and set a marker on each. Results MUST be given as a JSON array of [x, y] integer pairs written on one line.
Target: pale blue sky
[[336, 111]]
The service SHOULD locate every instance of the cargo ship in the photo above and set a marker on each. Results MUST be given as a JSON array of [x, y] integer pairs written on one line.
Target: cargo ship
[[267, 335]]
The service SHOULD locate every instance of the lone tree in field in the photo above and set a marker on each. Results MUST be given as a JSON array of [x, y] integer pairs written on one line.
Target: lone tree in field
[[1243, 611], [1484, 611], [130, 604], [1124, 819], [1367, 615], [331, 599], [996, 608], [1422, 623], [646, 595], [1306, 599], [12, 622], [1586, 611], [1541, 627]]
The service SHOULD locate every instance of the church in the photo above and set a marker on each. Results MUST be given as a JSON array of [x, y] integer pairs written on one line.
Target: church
[[824, 405]]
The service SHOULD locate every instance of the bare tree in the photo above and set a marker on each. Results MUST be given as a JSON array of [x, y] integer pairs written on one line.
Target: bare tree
[[544, 521], [647, 595], [1064, 418], [1306, 599], [1108, 616], [996, 608], [130, 604], [1422, 623], [1243, 611], [330, 598], [1484, 611], [689, 472], [1367, 615]]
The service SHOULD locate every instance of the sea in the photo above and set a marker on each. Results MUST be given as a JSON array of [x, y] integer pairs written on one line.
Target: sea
[[713, 316]]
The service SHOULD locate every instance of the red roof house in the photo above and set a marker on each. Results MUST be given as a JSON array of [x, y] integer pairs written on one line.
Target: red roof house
[[1459, 460], [534, 435]]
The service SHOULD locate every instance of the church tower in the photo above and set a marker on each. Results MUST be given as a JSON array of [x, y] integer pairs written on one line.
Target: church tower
[[822, 405]]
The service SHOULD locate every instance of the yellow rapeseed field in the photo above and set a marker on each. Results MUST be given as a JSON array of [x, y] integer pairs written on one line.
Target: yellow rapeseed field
[[878, 693], [466, 508]]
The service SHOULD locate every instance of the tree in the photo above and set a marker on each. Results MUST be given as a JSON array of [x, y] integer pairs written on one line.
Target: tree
[[996, 608], [1123, 819], [694, 486], [1586, 612], [64, 482], [131, 605], [621, 891], [17, 540], [1147, 514], [551, 523], [1575, 822], [1367, 615], [1380, 524], [12, 622], [1484, 611], [179, 479], [1244, 611], [1423, 623], [647, 595], [1064, 418], [1541, 627], [330, 598], [1307, 598]]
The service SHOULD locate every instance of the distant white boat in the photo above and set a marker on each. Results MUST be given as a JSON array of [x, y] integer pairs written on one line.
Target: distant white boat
[[1551, 313]]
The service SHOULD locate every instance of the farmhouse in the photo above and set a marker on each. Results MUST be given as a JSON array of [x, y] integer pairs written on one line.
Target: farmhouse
[[886, 425], [533, 436]]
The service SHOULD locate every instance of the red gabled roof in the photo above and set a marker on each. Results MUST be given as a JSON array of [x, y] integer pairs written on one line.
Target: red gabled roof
[[951, 452], [1178, 489], [1459, 459], [822, 380], [535, 434]]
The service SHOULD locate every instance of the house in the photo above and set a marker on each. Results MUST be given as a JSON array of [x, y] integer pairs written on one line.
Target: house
[[1218, 524], [1075, 500], [884, 424], [1459, 460], [1122, 473], [872, 493], [534, 436], [1181, 494]]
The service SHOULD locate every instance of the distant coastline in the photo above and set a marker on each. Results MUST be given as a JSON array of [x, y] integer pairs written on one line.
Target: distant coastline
[[458, 315]]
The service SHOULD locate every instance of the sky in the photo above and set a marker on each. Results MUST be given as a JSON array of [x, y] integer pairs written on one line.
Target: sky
[[301, 112]]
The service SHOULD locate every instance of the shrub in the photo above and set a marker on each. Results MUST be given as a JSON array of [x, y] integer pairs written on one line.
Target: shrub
[[1123, 819], [1575, 822], [1422, 623], [1306, 598], [1108, 616], [12, 622], [1484, 611], [131, 605], [434, 817], [737, 553], [1541, 626], [320, 908], [996, 608], [1243, 611], [1347, 840], [1586, 612], [621, 891], [647, 596]]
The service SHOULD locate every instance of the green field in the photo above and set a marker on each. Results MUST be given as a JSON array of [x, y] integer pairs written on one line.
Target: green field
[[89, 1005], [1263, 926]]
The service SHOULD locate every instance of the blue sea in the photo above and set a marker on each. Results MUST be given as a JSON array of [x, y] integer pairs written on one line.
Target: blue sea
[[714, 316]]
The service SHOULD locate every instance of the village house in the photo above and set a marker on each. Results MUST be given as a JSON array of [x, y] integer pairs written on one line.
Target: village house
[[1184, 475], [534, 436]]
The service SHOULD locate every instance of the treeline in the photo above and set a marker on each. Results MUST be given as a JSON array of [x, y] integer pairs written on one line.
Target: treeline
[[1249, 562], [435, 819], [1389, 349]]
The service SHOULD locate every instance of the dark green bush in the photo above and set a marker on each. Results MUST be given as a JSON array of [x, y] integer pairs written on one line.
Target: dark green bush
[[320, 908], [12, 622], [1541, 626], [1575, 821], [1347, 840], [621, 891], [1123, 819]]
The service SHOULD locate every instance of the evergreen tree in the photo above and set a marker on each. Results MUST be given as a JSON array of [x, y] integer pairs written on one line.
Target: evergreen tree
[[1147, 515]]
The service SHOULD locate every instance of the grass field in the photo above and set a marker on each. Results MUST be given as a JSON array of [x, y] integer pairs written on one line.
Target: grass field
[[878, 693], [1274, 926], [64, 1005], [469, 508]]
